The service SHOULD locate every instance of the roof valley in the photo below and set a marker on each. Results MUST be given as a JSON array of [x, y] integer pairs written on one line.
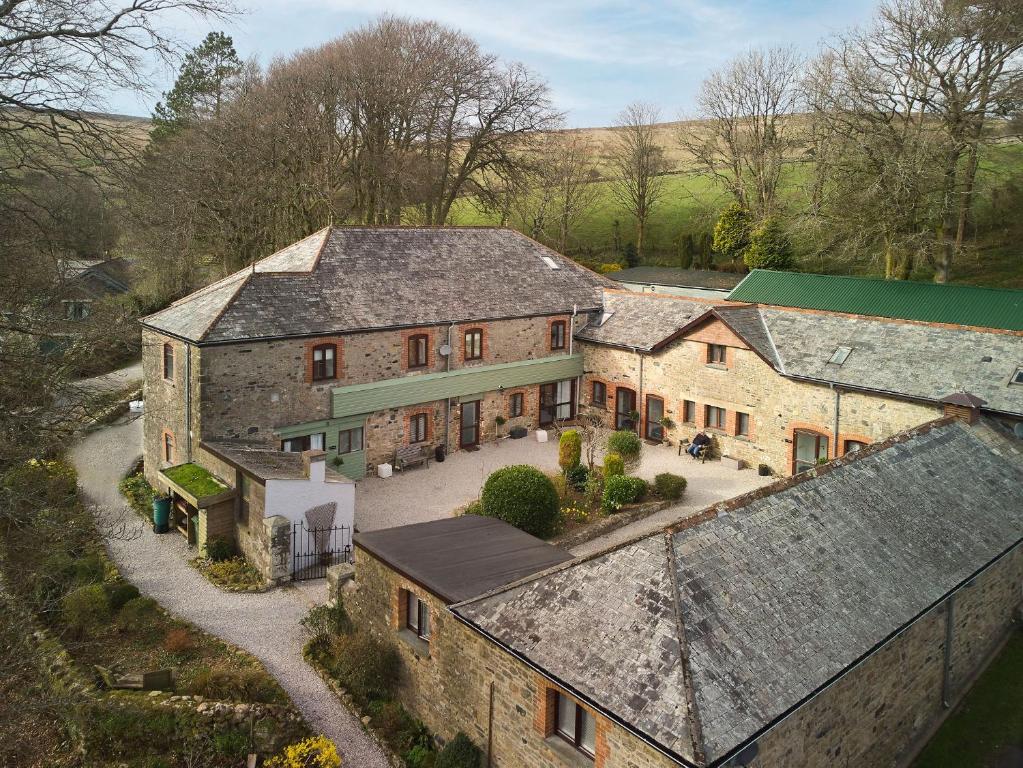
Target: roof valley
[[692, 708]]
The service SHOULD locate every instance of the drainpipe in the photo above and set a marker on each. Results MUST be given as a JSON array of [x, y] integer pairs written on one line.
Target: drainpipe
[[639, 404], [947, 666], [490, 728], [571, 348], [838, 403], [188, 402], [447, 400]]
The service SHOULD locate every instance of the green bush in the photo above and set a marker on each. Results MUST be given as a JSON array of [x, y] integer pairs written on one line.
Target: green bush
[[121, 592], [620, 490], [732, 232], [570, 450], [460, 752], [328, 619], [594, 490], [522, 496], [577, 477], [38, 483], [219, 548], [85, 608], [614, 465], [420, 757], [769, 247], [138, 613], [473, 508], [625, 443], [139, 493], [226, 684], [669, 487], [368, 668]]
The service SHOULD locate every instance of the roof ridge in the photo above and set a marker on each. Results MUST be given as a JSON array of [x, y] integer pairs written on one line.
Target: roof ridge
[[689, 691], [227, 305]]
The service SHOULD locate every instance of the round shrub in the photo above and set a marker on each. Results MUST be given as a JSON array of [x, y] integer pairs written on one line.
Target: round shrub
[[626, 443], [316, 750], [367, 668], [620, 490], [522, 496], [614, 465], [669, 486], [570, 450], [120, 592], [86, 608], [577, 476], [460, 752]]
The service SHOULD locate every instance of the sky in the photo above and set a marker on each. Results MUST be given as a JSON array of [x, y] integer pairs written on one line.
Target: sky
[[597, 55]]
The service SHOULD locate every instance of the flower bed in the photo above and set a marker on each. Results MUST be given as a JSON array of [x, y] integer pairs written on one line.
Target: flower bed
[[235, 574]]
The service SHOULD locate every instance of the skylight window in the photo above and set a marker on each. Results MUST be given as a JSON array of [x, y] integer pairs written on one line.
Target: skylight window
[[550, 262], [1017, 377], [840, 355]]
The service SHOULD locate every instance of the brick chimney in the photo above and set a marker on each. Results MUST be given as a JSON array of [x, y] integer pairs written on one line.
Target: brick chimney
[[314, 465], [963, 406]]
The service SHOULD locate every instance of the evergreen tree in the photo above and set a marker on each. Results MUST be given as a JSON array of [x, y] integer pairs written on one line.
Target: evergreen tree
[[769, 247], [732, 232], [631, 254], [686, 251], [208, 77]]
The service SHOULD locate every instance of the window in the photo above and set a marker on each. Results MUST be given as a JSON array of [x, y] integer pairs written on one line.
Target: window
[[557, 402], [717, 354], [515, 408], [168, 361], [599, 396], [417, 616], [314, 442], [654, 414], [742, 424], [575, 725], [715, 417], [851, 446], [688, 412], [168, 447], [418, 350], [324, 365], [417, 428], [349, 440], [474, 344], [558, 334], [808, 450]]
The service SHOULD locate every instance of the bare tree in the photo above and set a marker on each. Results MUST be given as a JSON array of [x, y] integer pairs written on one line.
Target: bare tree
[[637, 164], [745, 128]]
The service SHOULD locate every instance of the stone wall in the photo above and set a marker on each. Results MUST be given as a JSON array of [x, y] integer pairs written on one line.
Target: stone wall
[[746, 383], [447, 684], [165, 403], [876, 714]]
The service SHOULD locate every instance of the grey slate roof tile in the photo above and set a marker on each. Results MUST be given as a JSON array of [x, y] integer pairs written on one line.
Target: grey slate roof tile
[[776, 597], [345, 279], [641, 321]]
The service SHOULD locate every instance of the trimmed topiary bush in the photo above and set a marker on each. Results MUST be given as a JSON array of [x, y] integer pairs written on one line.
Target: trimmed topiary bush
[[522, 496], [577, 476], [614, 465], [460, 752], [620, 490], [626, 444], [570, 450], [669, 486]]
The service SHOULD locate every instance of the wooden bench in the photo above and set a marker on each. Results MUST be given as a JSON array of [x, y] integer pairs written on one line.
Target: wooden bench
[[702, 454], [160, 680], [410, 456]]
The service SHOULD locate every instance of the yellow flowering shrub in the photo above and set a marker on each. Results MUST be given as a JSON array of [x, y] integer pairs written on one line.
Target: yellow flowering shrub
[[314, 752]]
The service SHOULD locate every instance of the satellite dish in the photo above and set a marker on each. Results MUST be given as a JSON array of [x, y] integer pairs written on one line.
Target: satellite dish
[[445, 350]]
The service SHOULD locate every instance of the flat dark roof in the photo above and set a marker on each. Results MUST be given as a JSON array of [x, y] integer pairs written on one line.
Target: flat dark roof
[[461, 557]]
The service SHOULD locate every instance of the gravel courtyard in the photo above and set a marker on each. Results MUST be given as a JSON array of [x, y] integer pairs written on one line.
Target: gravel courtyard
[[434, 492], [266, 625]]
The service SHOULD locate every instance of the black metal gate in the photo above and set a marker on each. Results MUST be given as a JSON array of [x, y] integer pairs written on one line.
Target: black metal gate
[[314, 550]]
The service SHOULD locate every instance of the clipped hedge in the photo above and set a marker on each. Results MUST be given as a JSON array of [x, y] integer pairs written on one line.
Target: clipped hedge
[[620, 490], [522, 496], [669, 486], [626, 444], [570, 450]]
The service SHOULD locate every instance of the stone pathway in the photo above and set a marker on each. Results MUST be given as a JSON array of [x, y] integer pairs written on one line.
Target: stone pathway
[[266, 625]]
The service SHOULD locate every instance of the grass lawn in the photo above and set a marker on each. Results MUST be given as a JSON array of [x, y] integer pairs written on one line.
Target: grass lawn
[[987, 729], [195, 479]]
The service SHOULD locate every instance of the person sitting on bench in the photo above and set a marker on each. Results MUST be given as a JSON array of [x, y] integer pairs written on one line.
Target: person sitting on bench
[[699, 441]]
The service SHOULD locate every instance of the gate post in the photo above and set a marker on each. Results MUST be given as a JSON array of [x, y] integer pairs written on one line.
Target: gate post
[[278, 534]]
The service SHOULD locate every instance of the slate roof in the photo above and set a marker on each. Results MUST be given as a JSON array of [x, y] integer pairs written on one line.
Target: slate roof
[[680, 278], [459, 557], [344, 279], [641, 321], [968, 305], [785, 590], [266, 463]]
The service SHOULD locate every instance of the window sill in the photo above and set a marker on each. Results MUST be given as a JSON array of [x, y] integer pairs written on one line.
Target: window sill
[[419, 646], [569, 755]]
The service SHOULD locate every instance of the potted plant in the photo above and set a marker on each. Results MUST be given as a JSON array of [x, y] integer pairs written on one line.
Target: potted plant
[[763, 470], [666, 423], [634, 420], [500, 421]]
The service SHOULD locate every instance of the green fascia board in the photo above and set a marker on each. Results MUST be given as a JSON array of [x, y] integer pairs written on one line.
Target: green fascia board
[[900, 299], [424, 388], [323, 425]]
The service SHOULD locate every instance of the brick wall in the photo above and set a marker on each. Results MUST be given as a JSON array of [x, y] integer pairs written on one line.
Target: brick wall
[[450, 688], [774, 403]]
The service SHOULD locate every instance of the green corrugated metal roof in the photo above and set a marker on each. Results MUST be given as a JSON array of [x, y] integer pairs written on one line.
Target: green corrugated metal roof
[[424, 388], [903, 299]]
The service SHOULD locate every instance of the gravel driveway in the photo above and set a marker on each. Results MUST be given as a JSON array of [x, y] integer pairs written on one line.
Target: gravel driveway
[[266, 625]]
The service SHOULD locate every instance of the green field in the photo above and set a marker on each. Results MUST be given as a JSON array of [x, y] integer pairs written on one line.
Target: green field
[[692, 201]]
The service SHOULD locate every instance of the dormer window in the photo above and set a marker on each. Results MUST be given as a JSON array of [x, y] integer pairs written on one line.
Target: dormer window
[[324, 362]]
